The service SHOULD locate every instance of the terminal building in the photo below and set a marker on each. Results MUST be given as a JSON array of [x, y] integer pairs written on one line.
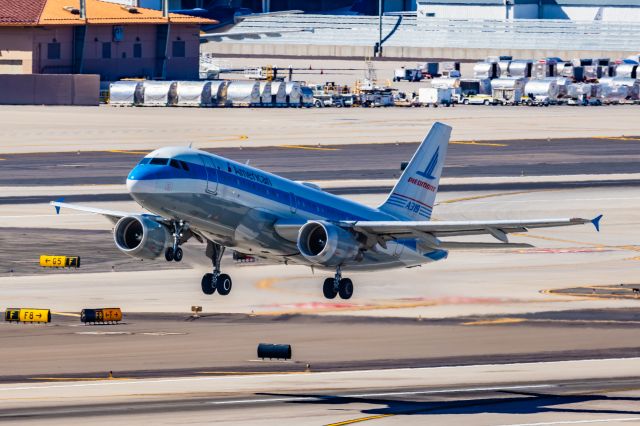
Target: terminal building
[[97, 37]]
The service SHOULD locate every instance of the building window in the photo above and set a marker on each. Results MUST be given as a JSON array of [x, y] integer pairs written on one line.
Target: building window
[[53, 50], [137, 50], [106, 50], [178, 49]]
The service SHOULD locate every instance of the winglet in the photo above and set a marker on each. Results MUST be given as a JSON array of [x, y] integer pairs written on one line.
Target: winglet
[[59, 200], [596, 222]]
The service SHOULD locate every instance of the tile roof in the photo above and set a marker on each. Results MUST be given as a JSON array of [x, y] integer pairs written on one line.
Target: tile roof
[[20, 12], [61, 12]]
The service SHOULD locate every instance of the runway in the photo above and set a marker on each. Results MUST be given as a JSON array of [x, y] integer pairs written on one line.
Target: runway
[[541, 157], [573, 392]]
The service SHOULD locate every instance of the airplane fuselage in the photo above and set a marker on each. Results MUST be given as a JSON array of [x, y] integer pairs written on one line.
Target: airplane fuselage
[[237, 206]]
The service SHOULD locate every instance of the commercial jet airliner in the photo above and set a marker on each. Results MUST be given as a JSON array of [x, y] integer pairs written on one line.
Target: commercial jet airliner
[[195, 194]]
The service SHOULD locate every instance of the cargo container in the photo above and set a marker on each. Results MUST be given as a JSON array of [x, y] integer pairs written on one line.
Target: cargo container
[[541, 92], [293, 94], [126, 93], [265, 94], [520, 69], [485, 70], [218, 92], [243, 93], [279, 93], [432, 96], [193, 93], [508, 91], [160, 93], [627, 71]]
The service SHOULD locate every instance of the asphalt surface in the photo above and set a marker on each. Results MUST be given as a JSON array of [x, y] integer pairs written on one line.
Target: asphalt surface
[[413, 405], [172, 345], [357, 161]]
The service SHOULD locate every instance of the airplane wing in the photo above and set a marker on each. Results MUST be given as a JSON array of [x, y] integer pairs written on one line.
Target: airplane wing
[[112, 215], [430, 231]]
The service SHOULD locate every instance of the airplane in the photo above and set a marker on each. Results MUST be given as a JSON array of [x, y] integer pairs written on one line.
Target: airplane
[[195, 194]]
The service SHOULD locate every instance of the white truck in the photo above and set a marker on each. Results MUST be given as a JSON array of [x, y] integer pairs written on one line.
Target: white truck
[[435, 96]]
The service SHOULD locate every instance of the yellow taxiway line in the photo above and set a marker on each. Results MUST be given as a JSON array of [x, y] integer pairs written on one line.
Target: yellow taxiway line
[[309, 148], [494, 144], [361, 419], [124, 151], [496, 321]]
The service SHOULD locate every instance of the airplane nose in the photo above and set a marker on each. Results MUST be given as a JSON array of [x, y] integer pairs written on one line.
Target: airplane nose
[[135, 180]]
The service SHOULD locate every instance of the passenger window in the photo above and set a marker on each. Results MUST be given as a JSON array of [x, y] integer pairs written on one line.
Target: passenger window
[[174, 164], [159, 161]]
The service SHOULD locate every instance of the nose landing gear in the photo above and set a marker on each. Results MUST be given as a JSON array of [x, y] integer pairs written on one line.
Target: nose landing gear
[[338, 286], [175, 252], [216, 280]]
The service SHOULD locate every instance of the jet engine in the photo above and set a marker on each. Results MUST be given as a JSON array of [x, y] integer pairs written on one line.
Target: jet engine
[[327, 244], [141, 237]]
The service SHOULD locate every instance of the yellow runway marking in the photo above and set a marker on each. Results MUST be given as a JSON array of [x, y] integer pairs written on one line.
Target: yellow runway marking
[[494, 144], [310, 148], [617, 138], [249, 373], [496, 321], [361, 419], [230, 138], [66, 314], [124, 151], [480, 197], [3, 159], [79, 379]]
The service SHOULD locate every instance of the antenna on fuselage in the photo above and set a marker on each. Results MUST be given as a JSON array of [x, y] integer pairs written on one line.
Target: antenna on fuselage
[[247, 163], [190, 144]]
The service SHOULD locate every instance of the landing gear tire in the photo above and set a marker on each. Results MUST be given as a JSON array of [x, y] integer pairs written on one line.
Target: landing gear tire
[[329, 288], [177, 255], [207, 284], [168, 254], [223, 284], [345, 289]]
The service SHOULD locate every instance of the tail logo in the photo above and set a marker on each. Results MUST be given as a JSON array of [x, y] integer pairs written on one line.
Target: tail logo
[[428, 171]]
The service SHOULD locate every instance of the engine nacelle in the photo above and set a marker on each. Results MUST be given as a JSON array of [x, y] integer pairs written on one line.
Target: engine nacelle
[[141, 237], [327, 244]]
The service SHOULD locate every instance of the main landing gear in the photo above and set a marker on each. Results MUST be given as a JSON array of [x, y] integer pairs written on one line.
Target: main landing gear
[[216, 281], [175, 252], [338, 286]]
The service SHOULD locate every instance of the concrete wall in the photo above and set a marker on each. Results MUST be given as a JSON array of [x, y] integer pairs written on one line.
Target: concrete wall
[[16, 45], [49, 89], [412, 53]]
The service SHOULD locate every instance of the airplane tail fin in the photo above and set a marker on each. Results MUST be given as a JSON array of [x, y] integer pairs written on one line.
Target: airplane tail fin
[[415, 192]]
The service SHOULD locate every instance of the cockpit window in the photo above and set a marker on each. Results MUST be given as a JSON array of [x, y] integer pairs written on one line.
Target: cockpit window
[[174, 163], [159, 161], [184, 165], [144, 161]]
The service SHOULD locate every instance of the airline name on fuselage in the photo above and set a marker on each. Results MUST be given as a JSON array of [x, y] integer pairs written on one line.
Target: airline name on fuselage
[[248, 174], [422, 184]]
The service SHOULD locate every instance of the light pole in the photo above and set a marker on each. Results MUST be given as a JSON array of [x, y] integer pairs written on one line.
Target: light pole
[[379, 28]]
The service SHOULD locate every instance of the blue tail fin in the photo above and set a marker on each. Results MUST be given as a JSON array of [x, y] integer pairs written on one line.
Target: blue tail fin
[[415, 192]]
